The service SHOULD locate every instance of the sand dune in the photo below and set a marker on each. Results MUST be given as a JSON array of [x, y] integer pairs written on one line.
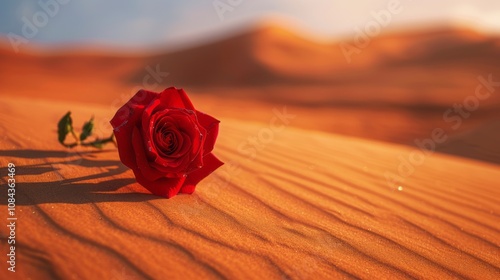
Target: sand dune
[[402, 97], [480, 143], [416, 71], [295, 203], [440, 64], [309, 205]]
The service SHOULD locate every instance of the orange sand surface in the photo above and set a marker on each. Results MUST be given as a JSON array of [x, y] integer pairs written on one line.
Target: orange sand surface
[[304, 198], [308, 205]]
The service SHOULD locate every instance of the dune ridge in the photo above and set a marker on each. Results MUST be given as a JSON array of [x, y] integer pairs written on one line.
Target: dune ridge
[[275, 55], [411, 77], [309, 205], [396, 89]]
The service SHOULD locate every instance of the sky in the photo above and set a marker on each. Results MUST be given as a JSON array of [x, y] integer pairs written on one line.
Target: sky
[[146, 23]]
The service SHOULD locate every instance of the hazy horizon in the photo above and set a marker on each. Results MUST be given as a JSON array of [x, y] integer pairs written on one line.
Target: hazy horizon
[[122, 25]]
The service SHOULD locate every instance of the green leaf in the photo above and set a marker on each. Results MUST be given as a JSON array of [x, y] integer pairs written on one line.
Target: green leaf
[[87, 129], [64, 127]]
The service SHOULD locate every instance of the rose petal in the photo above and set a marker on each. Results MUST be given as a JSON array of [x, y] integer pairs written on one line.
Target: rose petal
[[188, 155], [140, 155], [147, 114], [174, 161], [211, 124], [165, 187], [210, 164], [175, 98], [197, 161], [125, 120]]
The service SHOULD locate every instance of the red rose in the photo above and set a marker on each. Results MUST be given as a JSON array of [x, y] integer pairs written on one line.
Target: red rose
[[165, 141]]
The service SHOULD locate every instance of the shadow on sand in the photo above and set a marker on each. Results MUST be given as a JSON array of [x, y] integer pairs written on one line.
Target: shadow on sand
[[57, 189]]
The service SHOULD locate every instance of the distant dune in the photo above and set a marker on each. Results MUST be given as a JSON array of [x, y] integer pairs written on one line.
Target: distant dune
[[274, 56], [481, 143], [395, 89]]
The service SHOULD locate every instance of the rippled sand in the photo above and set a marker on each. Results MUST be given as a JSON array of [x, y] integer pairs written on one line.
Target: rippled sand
[[305, 205]]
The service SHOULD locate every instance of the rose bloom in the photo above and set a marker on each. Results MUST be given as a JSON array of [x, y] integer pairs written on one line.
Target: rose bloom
[[166, 141]]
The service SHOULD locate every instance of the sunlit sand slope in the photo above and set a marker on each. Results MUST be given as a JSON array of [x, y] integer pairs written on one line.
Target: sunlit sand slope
[[289, 204]]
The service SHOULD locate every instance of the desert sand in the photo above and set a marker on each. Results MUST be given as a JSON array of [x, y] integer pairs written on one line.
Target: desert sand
[[307, 200], [309, 205], [395, 90]]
